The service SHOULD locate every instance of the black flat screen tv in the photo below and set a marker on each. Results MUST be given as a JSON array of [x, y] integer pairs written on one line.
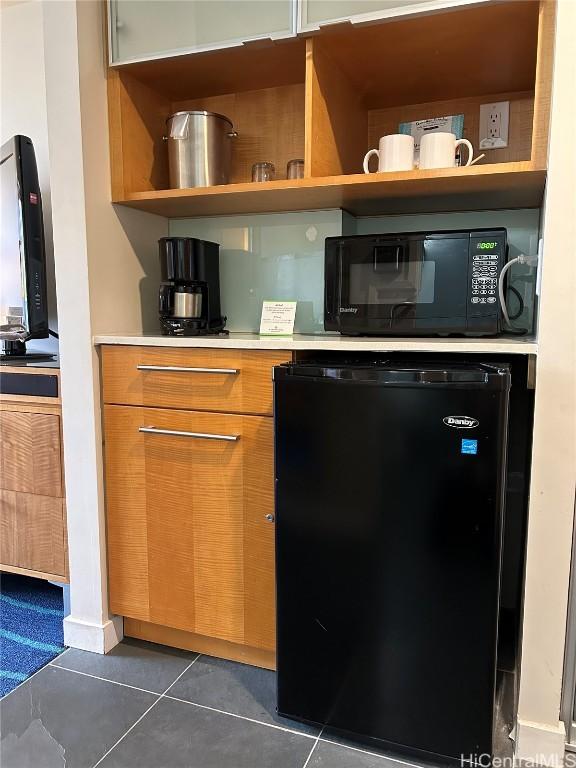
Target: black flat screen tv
[[23, 302]]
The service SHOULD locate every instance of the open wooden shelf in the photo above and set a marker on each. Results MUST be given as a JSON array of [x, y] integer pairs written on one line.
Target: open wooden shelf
[[503, 185], [328, 99]]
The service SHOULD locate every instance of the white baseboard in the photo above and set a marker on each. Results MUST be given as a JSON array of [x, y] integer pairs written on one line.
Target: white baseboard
[[98, 638], [539, 743]]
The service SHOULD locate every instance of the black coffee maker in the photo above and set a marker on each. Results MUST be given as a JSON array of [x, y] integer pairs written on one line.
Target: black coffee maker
[[189, 298]]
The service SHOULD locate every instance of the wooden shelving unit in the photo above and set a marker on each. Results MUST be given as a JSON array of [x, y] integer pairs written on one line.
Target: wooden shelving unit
[[329, 98], [504, 185]]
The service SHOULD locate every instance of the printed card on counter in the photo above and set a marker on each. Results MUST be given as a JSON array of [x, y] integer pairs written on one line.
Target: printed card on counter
[[277, 318]]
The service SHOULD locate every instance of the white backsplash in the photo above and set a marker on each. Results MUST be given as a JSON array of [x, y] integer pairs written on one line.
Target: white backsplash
[[281, 255], [268, 256]]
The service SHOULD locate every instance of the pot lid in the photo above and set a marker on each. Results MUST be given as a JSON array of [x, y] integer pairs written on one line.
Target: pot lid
[[201, 112]]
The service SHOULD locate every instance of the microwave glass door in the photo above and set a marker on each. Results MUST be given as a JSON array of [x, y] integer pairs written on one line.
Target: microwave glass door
[[412, 283], [406, 278]]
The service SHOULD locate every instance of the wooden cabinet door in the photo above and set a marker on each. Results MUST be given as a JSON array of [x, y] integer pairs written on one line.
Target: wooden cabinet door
[[189, 542], [30, 459], [32, 532], [32, 516]]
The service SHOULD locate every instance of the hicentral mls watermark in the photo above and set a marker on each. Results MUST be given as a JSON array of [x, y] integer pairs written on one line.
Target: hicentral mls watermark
[[486, 760]]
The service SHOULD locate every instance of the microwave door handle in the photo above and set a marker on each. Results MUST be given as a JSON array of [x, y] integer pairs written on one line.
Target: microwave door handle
[[397, 251], [341, 269]]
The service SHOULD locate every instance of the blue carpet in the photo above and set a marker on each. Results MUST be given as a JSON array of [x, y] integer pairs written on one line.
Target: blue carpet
[[31, 635]]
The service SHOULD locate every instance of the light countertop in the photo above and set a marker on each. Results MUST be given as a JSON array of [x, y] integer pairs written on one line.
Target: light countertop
[[323, 342]]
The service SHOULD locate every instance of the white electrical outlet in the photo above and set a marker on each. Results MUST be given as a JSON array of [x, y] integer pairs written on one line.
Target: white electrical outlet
[[494, 125]]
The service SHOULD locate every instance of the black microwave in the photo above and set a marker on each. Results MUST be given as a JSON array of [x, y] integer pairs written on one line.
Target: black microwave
[[414, 283]]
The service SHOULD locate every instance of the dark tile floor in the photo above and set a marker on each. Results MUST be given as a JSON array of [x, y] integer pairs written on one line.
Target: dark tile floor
[[147, 706]]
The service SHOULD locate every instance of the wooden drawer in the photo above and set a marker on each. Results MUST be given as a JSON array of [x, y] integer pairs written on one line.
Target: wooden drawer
[[32, 532], [230, 381], [190, 521], [30, 459]]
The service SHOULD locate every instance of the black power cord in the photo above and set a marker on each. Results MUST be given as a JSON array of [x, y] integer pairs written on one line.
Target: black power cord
[[520, 309], [516, 331]]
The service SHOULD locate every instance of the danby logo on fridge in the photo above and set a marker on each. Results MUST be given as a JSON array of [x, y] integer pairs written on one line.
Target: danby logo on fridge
[[352, 310], [460, 422]]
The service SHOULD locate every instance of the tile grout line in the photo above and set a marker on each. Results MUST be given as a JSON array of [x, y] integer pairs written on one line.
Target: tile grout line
[[373, 754], [240, 717], [313, 747], [104, 679], [48, 664], [167, 695], [143, 715]]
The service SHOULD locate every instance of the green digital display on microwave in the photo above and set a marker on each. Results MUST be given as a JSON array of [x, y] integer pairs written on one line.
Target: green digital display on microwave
[[486, 246]]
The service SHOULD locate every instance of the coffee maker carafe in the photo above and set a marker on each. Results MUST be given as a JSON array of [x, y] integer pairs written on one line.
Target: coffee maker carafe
[[189, 297]]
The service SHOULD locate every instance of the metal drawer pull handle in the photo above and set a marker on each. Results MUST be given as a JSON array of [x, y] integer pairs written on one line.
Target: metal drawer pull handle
[[178, 433], [178, 369]]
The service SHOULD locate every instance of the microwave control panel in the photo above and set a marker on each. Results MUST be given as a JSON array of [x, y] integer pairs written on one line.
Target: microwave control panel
[[485, 264]]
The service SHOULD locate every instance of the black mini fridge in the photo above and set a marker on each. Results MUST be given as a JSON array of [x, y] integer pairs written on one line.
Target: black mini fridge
[[389, 506]]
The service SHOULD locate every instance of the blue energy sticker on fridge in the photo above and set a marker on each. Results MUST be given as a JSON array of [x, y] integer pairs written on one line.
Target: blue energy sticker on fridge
[[469, 446]]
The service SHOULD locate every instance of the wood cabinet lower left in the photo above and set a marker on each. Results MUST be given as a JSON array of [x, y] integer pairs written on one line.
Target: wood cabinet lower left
[[33, 536], [190, 526]]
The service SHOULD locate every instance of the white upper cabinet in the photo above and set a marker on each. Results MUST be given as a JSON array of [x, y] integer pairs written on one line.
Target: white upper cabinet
[[152, 29], [313, 14]]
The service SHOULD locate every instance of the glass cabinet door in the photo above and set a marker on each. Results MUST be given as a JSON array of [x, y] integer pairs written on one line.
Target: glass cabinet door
[[312, 14], [147, 29]]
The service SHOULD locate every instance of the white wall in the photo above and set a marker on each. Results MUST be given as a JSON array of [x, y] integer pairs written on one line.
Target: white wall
[[23, 111], [100, 258], [551, 510], [122, 243], [88, 625]]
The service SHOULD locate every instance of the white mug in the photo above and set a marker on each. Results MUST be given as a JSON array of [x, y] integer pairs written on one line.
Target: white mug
[[438, 150], [395, 153]]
